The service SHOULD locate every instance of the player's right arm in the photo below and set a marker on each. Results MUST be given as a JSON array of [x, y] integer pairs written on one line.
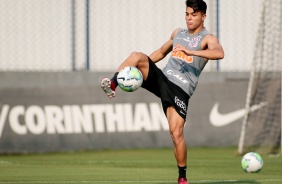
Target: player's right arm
[[165, 48]]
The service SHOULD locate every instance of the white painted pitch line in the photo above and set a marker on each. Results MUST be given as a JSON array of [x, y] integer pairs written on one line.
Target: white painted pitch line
[[133, 181]]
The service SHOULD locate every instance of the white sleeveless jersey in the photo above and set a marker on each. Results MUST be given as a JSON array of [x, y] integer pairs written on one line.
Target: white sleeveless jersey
[[183, 70]]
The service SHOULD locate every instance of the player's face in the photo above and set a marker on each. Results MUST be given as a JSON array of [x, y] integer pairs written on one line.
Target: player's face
[[194, 19]]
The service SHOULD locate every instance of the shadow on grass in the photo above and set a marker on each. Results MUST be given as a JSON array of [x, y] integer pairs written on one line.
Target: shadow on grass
[[227, 182]]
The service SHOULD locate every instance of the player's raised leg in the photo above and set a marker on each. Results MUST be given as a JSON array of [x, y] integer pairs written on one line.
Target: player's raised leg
[[137, 59]]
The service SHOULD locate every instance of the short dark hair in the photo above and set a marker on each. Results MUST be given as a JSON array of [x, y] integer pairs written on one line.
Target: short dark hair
[[197, 5]]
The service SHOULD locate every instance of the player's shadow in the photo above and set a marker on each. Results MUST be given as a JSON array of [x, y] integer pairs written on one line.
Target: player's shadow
[[231, 182], [224, 182]]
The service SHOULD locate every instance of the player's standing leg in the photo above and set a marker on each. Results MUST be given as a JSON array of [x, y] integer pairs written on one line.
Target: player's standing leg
[[137, 59], [176, 125]]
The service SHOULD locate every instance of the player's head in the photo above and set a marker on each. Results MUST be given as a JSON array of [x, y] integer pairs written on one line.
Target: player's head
[[195, 14], [197, 5]]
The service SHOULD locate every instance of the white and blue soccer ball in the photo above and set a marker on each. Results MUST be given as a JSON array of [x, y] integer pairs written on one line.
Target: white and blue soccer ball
[[252, 162], [130, 78]]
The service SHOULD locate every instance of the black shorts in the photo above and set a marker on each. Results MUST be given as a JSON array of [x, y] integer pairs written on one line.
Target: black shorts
[[169, 93]]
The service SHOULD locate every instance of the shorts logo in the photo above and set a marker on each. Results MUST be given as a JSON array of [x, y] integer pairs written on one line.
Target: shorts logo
[[180, 104]]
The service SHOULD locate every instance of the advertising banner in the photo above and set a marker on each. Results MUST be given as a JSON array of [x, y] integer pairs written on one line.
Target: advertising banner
[[75, 114]]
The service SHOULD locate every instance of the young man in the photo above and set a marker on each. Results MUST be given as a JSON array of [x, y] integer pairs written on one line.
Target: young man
[[191, 49]]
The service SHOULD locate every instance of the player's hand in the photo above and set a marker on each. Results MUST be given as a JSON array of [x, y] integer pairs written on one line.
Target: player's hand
[[183, 49]]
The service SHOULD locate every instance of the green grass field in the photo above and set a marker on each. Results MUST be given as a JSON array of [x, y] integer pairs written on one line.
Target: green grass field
[[206, 165]]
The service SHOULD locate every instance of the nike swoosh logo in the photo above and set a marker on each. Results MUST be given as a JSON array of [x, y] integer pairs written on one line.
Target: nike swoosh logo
[[217, 119], [182, 112]]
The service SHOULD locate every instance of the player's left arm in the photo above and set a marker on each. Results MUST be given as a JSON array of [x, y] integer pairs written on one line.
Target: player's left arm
[[166, 48], [211, 49]]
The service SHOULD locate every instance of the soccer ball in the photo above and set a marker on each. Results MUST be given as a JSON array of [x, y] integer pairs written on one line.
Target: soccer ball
[[252, 162], [129, 78]]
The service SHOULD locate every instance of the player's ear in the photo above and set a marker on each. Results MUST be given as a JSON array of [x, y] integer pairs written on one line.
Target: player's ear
[[204, 17]]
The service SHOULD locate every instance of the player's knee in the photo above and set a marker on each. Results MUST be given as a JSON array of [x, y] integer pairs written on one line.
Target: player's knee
[[177, 135], [138, 56]]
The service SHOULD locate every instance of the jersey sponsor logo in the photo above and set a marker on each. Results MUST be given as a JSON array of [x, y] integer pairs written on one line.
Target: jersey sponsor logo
[[185, 39], [182, 56], [170, 72], [195, 41], [180, 104], [217, 119], [76, 119]]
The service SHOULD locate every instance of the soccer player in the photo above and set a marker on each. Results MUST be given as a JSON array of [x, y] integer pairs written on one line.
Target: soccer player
[[190, 49]]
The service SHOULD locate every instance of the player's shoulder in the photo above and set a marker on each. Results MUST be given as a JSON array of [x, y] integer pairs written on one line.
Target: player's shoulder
[[210, 37], [182, 30], [175, 31], [179, 30]]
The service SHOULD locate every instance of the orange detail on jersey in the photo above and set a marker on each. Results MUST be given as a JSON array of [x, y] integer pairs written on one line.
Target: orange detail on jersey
[[181, 55]]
